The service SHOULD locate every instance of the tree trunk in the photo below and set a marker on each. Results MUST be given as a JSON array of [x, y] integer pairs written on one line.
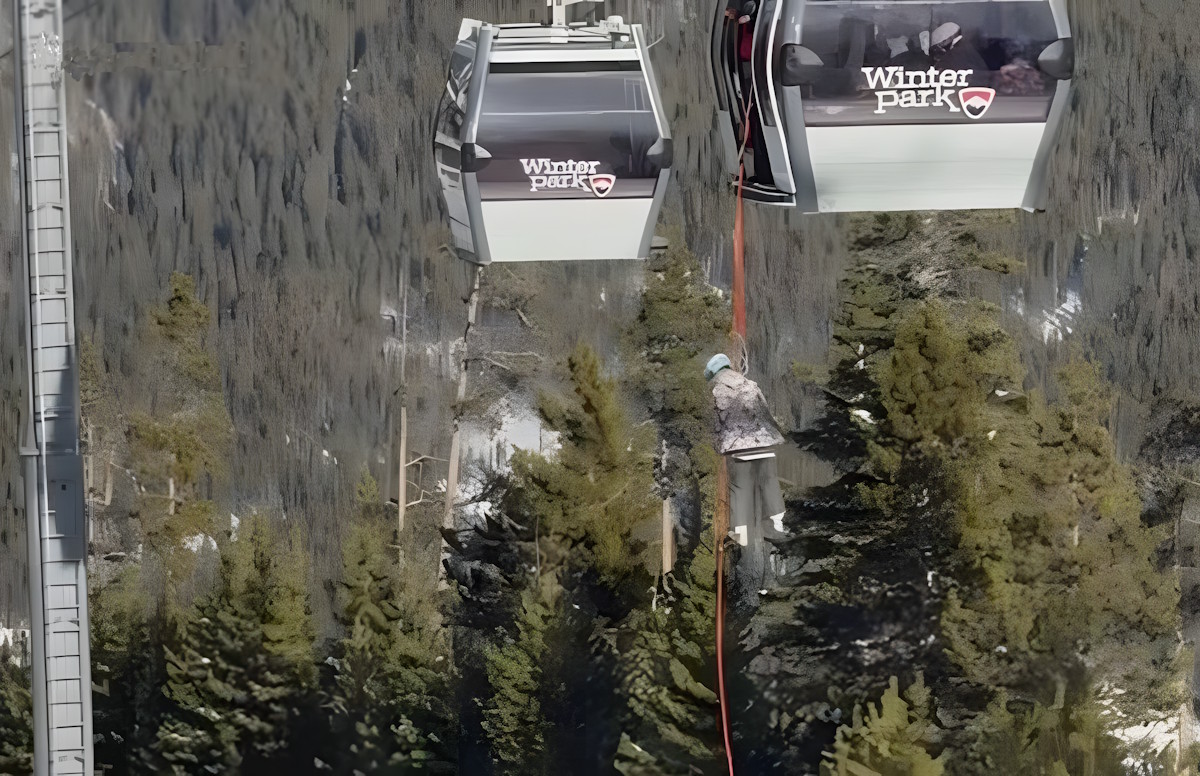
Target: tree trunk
[[108, 482], [668, 539], [402, 486], [89, 468], [385, 494], [464, 365]]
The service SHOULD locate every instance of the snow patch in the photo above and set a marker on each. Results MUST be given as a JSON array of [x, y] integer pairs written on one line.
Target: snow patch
[[1057, 323], [12, 637], [1145, 738], [519, 429], [198, 541]]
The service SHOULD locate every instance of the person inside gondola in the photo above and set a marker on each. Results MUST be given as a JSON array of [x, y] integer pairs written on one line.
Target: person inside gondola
[[950, 50], [907, 53], [743, 11]]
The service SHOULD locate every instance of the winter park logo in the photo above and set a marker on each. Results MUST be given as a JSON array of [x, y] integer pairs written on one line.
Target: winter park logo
[[976, 101], [552, 174], [896, 87]]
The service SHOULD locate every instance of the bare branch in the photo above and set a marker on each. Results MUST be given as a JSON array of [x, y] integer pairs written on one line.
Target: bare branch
[[494, 363], [424, 458], [522, 354]]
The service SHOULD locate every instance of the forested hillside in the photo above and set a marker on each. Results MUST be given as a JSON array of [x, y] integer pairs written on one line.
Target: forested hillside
[[992, 560], [981, 589], [951, 605]]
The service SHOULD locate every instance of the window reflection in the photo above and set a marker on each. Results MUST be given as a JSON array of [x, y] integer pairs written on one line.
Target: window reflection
[[452, 110], [917, 56], [602, 119]]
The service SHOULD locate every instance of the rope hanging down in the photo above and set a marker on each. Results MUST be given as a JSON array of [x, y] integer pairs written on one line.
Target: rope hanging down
[[721, 521]]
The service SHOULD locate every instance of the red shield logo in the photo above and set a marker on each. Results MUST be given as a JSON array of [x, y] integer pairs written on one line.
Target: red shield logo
[[976, 100], [602, 184]]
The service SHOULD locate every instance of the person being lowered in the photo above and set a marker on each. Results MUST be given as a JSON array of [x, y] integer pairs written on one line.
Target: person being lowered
[[747, 435], [744, 421]]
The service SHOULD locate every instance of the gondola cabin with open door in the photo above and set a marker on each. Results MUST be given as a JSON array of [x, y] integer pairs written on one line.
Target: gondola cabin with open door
[[551, 143], [878, 105]]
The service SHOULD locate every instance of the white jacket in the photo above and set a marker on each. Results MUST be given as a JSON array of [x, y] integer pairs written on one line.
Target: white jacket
[[743, 420]]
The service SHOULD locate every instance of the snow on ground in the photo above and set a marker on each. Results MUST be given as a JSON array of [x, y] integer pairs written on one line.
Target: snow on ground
[[1145, 738], [197, 541], [489, 446], [520, 429], [12, 637], [1058, 322]]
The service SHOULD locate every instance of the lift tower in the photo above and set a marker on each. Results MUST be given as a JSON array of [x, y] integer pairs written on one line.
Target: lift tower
[[53, 471]]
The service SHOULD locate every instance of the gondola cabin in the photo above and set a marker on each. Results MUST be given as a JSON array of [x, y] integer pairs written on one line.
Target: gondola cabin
[[551, 142], [857, 105]]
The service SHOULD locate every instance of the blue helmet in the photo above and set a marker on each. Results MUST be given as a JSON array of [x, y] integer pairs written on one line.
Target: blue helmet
[[716, 364]]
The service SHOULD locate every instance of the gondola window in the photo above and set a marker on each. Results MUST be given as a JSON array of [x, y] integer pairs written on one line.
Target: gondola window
[[914, 63], [583, 133]]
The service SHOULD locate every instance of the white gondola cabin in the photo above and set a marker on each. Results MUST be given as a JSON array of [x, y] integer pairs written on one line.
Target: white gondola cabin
[[551, 143], [878, 105]]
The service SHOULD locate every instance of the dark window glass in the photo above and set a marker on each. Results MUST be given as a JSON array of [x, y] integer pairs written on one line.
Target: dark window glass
[[909, 62], [452, 109], [548, 135]]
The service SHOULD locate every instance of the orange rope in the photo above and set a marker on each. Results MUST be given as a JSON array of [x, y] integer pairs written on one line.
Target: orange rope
[[720, 531], [739, 246], [721, 523]]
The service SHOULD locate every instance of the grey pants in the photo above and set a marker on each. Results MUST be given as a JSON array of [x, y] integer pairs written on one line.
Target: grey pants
[[755, 499]]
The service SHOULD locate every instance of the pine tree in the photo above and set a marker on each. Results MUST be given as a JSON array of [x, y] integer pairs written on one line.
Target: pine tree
[[16, 715], [592, 507], [128, 662], [666, 653], [596, 492], [366, 494], [242, 678], [597, 517], [1048, 517], [388, 700], [682, 322], [186, 437], [976, 530], [666, 658], [513, 718], [894, 739]]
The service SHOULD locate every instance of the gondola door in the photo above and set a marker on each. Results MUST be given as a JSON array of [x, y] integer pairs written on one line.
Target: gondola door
[[723, 65], [448, 159], [767, 105], [447, 148]]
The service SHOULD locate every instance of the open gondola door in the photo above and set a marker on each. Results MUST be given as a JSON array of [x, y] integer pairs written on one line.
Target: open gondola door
[[551, 142], [910, 105]]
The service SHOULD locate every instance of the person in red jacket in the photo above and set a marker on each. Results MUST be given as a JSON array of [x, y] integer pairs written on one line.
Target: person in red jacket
[[746, 31], [742, 9]]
